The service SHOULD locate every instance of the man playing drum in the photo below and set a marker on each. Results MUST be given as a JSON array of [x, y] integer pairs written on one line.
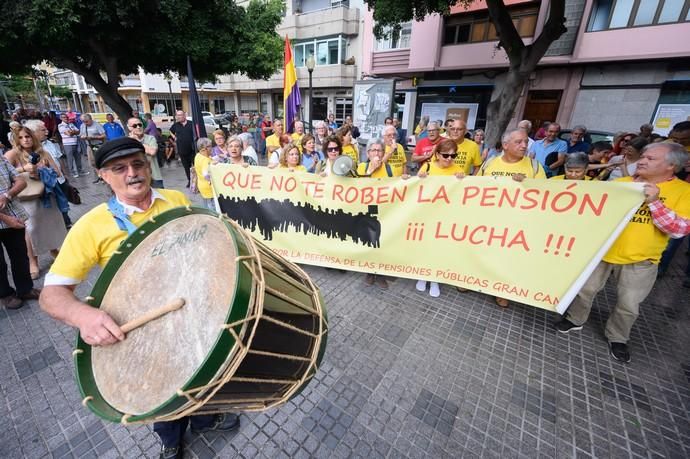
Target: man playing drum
[[122, 164]]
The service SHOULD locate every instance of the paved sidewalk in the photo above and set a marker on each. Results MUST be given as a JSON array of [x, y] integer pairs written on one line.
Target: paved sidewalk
[[404, 375]]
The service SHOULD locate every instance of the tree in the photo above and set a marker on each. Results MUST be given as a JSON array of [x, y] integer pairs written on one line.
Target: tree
[[104, 39], [23, 85], [522, 58]]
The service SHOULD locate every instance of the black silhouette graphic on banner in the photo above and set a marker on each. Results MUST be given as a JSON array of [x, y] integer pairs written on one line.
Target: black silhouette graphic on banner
[[273, 215]]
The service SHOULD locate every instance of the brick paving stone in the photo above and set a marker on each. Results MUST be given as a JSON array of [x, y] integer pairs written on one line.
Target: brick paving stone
[[404, 375]]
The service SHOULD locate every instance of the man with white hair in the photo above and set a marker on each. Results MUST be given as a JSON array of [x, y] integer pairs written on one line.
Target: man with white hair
[[526, 126], [634, 257], [298, 134], [425, 147], [469, 157], [394, 154], [320, 134], [247, 146]]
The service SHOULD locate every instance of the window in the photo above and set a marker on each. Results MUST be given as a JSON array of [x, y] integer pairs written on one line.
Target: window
[[618, 14], [343, 108], [326, 51], [476, 27], [218, 106], [400, 40]]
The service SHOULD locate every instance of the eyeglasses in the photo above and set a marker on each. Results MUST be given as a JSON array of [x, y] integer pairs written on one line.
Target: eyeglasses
[[333, 149], [449, 155], [135, 125], [432, 130], [120, 169]]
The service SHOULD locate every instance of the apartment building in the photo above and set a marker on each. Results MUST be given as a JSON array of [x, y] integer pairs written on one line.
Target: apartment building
[[330, 30], [619, 63]]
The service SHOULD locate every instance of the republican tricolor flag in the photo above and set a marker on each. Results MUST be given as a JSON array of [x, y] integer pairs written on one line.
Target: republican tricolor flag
[[291, 96]]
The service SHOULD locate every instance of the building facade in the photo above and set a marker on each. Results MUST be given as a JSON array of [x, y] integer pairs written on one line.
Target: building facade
[[330, 30], [616, 65]]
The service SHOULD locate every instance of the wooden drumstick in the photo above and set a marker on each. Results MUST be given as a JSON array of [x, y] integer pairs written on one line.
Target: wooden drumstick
[[152, 315]]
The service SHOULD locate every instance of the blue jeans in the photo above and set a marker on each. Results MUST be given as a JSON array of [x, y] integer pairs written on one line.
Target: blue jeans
[[210, 203], [157, 183], [171, 432]]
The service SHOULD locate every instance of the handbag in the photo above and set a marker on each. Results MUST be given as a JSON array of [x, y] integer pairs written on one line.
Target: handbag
[[193, 181], [34, 188], [72, 194]]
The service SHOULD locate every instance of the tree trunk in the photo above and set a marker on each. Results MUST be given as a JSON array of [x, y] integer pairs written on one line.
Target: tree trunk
[[501, 108], [113, 98]]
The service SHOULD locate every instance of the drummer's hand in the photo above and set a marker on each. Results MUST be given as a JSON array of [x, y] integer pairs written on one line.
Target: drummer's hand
[[97, 328]]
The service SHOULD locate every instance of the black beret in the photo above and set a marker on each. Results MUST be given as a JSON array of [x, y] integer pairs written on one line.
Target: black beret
[[124, 146]]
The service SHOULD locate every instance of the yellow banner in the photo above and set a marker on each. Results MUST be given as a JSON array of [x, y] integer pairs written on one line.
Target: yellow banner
[[533, 242]]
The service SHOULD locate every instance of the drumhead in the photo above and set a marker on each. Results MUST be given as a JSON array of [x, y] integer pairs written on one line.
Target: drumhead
[[183, 254]]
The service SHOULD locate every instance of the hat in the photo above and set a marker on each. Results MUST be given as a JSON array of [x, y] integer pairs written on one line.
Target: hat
[[123, 146]]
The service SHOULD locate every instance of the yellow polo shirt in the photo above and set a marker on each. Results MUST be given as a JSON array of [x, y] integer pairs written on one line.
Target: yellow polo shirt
[[381, 172], [297, 140], [350, 151], [397, 160], [497, 167], [562, 177], [201, 165], [298, 168], [433, 168], [641, 240], [273, 141], [468, 155], [95, 236]]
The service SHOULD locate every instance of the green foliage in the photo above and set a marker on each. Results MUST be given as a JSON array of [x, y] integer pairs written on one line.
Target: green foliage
[[118, 36], [389, 14]]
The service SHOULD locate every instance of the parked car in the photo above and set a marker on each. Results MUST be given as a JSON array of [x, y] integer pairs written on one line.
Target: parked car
[[590, 136]]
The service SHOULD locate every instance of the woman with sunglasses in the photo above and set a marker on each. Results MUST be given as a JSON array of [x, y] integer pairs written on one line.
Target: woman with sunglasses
[[442, 163], [331, 149]]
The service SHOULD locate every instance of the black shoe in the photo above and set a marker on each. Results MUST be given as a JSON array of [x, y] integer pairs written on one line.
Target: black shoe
[[566, 326], [32, 294], [171, 453], [222, 422], [619, 351], [12, 302], [98, 180]]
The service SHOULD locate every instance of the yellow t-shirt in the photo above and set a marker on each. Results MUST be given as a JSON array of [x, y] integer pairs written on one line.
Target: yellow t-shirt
[[433, 168], [562, 177], [350, 151], [297, 140], [273, 141], [378, 173], [397, 160], [468, 156], [496, 167], [299, 168], [201, 165], [95, 236], [641, 240]]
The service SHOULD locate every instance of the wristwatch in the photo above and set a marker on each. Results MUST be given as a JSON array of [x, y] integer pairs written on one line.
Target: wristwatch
[[7, 196]]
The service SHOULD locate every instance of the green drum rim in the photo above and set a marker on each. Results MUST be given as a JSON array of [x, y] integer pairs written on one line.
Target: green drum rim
[[215, 358]]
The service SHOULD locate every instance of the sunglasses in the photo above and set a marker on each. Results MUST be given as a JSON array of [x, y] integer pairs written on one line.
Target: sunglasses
[[449, 155], [333, 149], [135, 125], [120, 169]]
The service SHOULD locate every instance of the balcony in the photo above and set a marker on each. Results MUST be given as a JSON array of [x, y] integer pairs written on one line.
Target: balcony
[[325, 76], [321, 23], [133, 80], [390, 61]]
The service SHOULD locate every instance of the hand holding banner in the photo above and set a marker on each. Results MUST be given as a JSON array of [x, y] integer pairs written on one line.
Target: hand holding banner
[[534, 241]]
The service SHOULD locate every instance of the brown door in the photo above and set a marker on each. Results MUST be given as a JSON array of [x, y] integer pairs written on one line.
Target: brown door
[[541, 106]]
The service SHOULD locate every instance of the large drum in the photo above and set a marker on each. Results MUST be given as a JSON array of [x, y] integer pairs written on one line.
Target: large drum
[[246, 329]]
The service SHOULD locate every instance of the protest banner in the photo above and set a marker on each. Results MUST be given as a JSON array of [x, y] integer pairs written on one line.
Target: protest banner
[[534, 242]]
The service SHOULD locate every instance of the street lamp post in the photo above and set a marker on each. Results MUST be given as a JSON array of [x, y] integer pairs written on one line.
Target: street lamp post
[[310, 67], [172, 101]]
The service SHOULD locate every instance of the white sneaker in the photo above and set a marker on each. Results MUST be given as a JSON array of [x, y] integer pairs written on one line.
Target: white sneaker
[[434, 290], [421, 285]]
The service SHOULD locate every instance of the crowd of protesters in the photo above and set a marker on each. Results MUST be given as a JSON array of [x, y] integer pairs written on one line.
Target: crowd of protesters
[[51, 151]]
